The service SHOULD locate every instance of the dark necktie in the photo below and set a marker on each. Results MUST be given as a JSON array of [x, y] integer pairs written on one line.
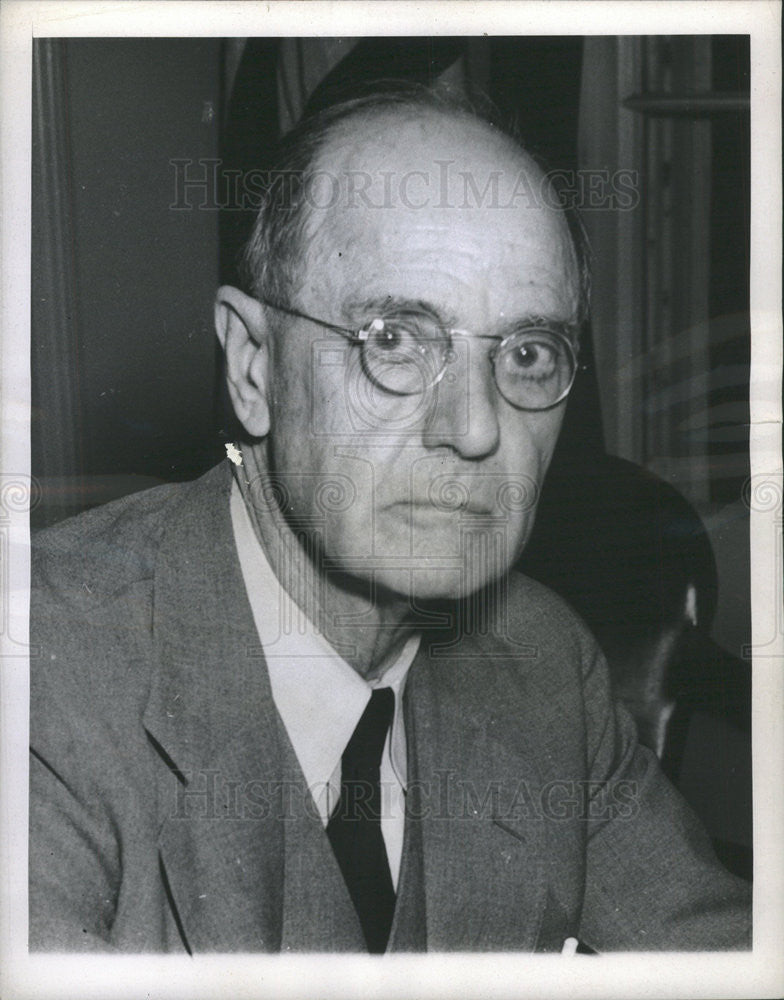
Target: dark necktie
[[354, 830]]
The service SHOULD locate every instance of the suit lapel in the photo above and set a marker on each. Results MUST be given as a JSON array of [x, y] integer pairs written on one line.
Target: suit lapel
[[477, 784], [318, 914], [211, 717], [409, 930]]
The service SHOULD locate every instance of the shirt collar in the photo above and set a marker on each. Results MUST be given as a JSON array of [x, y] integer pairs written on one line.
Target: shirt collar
[[318, 695]]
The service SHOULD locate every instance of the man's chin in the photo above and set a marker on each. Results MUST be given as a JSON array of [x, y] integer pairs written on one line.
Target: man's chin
[[439, 583]]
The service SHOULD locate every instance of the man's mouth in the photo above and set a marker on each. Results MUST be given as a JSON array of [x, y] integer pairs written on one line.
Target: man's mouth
[[427, 505]]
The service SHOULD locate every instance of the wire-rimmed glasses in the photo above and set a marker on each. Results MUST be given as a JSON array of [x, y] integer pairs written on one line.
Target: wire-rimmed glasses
[[408, 353]]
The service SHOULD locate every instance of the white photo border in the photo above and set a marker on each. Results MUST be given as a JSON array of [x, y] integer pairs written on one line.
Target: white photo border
[[759, 973]]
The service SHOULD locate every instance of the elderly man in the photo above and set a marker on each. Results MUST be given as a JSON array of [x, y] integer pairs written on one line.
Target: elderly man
[[301, 703]]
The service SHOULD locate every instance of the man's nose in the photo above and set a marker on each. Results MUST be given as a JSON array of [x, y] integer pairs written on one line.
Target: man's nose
[[464, 414]]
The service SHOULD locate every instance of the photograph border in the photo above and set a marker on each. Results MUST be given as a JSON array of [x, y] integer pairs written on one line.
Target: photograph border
[[759, 973]]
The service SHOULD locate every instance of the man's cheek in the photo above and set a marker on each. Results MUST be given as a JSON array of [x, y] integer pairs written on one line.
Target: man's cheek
[[347, 524], [344, 402]]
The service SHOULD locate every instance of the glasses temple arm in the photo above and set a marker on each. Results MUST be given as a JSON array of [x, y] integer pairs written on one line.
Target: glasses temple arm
[[353, 335]]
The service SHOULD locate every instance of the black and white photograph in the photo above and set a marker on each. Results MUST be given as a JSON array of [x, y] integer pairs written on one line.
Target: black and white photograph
[[399, 532]]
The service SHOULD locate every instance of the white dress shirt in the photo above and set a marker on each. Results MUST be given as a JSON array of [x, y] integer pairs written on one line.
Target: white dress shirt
[[319, 696]]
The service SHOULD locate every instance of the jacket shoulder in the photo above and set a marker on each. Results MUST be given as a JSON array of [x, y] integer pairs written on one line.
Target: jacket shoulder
[[84, 562], [91, 606], [91, 556], [534, 609]]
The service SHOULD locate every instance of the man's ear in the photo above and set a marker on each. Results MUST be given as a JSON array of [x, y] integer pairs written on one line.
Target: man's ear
[[244, 335]]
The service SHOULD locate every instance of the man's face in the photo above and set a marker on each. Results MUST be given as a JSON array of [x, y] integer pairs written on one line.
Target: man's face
[[431, 495]]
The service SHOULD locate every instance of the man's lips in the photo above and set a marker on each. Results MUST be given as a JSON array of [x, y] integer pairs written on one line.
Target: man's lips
[[428, 505]]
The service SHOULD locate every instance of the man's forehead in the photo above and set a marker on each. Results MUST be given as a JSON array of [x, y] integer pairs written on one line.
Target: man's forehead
[[449, 194]]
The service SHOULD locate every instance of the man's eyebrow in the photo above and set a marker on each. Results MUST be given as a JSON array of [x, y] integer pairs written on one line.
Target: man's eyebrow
[[385, 304], [529, 321]]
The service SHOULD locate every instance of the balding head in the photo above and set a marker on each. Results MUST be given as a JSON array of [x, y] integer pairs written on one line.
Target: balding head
[[406, 149]]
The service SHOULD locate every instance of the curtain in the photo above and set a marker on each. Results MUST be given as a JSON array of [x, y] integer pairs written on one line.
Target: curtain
[[55, 417]]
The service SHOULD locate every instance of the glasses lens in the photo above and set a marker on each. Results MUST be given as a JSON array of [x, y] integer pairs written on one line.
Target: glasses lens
[[535, 369], [404, 356]]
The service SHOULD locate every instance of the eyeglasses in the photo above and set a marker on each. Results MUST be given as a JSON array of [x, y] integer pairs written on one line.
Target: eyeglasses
[[407, 354]]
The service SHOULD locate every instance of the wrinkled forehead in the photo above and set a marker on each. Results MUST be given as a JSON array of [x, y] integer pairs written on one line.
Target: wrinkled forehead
[[433, 185]]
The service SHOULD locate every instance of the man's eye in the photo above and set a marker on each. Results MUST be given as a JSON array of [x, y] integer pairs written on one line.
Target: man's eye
[[402, 334], [533, 357], [402, 356], [396, 336]]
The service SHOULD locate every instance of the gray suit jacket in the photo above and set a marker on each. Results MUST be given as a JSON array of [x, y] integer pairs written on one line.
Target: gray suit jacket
[[168, 811]]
